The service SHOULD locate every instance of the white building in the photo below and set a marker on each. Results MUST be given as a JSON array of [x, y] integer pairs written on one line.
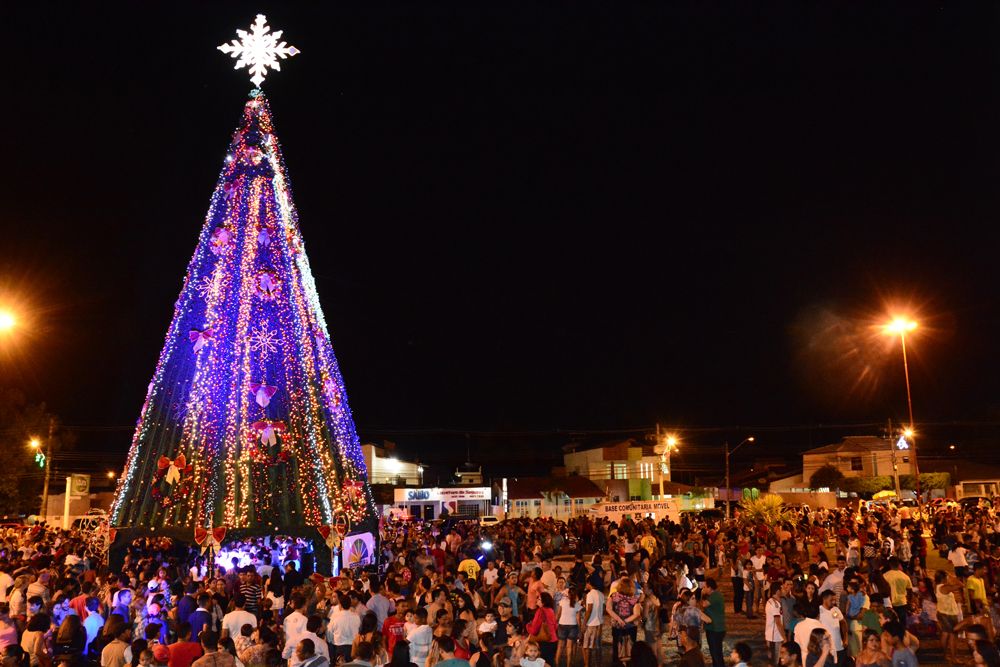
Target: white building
[[386, 468]]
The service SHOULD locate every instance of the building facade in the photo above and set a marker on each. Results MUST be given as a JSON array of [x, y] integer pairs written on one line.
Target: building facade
[[858, 456], [386, 468]]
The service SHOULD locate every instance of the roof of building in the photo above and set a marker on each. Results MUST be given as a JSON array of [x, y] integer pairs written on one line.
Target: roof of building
[[574, 486], [853, 444]]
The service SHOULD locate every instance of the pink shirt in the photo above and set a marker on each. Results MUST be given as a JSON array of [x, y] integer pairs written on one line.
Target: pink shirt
[[8, 634]]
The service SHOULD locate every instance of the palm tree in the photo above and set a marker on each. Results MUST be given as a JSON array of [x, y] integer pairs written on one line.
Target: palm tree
[[768, 509]]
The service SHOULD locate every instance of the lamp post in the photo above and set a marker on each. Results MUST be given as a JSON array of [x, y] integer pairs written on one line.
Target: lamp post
[[667, 444], [45, 459], [728, 454], [899, 327]]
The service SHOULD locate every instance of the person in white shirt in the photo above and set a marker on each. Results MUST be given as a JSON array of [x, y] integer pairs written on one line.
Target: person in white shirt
[[549, 577], [5, 583], [835, 580], [594, 615], [420, 638], [295, 622], [233, 622], [343, 628], [805, 627], [774, 629], [759, 562], [93, 623], [833, 620], [313, 626], [488, 576]]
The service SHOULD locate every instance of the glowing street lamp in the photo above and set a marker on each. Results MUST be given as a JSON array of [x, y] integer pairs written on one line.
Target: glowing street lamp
[[7, 321], [667, 445], [900, 326], [111, 474]]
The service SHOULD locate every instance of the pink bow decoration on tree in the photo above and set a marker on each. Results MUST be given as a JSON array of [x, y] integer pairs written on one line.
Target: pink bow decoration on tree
[[264, 237], [207, 539], [200, 338], [268, 430], [262, 393], [174, 468], [267, 285], [222, 238]]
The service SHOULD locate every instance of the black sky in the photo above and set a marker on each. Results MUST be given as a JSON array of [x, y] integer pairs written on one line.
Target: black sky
[[529, 215]]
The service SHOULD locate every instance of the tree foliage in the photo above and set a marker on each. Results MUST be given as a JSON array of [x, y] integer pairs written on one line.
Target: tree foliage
[[867, 485], [827, 476], [20, 476], [928, 480], [768, 509]]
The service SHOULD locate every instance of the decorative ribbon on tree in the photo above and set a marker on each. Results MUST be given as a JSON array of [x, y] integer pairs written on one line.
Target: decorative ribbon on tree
[[173, 468], [222, 240], [201, 338], [268, 430], [263, 393], [209, 539]]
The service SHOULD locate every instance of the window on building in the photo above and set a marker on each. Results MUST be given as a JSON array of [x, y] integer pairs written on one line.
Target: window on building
[[856, 463], [621, 471], [635, 497], [538, 503], [578, 501], [906, 459]]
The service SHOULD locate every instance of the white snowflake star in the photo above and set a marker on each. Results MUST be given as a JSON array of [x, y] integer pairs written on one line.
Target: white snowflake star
[[259, 49], [264, 340], [207, 284]]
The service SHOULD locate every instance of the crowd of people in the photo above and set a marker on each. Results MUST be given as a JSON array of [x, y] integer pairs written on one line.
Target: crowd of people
[[840, 587]]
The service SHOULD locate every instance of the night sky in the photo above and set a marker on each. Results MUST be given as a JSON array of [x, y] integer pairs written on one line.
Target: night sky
[[529, 219]]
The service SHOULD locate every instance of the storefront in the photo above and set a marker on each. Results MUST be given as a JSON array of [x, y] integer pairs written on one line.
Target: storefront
[[427, 504]]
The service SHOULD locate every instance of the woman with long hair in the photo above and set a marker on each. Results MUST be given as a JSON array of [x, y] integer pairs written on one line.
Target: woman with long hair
[[401, 655], [820, 651], [871, 654], [275, 591], [568, 630], [33, 641], [70, 640], [463, 647], [368, 632], [542, 628], [623, 608]]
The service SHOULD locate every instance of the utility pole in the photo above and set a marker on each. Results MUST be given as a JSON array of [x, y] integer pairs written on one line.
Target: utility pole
[[895, 468], [48, 468], [660, 466]]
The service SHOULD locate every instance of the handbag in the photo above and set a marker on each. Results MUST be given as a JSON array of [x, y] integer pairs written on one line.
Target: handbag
[[543, 631]]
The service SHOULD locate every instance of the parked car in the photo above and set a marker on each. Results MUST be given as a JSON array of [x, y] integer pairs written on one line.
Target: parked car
[[974, 501]]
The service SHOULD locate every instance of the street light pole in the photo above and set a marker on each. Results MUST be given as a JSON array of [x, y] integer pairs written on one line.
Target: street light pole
[[728, 488], [901, 326]]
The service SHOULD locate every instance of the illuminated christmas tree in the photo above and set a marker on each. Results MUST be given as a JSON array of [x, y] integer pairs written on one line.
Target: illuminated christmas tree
[[246, 423]]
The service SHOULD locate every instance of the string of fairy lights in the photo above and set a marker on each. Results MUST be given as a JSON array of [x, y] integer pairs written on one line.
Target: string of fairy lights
[[247, 389]]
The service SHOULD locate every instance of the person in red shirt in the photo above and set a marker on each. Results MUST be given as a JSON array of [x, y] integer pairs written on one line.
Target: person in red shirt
[[79, 603], [393, 629], [184, 651]]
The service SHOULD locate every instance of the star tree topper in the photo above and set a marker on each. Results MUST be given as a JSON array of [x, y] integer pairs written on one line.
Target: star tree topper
[[259, 49]]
